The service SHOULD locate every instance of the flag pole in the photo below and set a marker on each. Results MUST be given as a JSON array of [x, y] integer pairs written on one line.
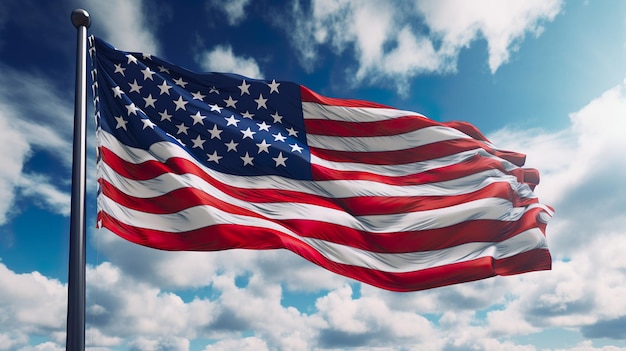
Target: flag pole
[[75, 338]]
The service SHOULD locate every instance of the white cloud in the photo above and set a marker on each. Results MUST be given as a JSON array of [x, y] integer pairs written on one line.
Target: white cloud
[[588, 346], [46, 346], [369, 322], [222, 59], [12, 164], [30, 304], [245, 344], [162, 343], [456, 23], [130, 30], [388, 43], [235, 10], [34, 117]]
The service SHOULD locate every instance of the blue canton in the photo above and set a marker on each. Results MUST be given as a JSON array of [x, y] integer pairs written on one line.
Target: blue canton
[[230, 123]]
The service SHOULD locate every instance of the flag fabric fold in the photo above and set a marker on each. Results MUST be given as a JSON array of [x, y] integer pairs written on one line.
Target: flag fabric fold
[[216, 161]]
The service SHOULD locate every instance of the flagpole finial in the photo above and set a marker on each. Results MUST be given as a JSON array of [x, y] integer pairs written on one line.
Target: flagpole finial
[[80, 17]]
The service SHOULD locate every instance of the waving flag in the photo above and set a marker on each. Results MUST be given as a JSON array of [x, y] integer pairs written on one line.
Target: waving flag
[[216, 161]]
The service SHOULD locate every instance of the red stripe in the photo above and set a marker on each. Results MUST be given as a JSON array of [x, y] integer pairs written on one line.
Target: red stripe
[[467, 167], [416, 154], [395, 126], [229, 236]]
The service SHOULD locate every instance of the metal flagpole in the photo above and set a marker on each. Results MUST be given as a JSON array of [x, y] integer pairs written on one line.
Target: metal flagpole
[[75, 339]]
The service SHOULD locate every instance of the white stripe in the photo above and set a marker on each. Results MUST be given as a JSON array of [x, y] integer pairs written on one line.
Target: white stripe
[[397, 142], [398, 170], [312, 110], [387, 262], [481, 209], [162, 151]]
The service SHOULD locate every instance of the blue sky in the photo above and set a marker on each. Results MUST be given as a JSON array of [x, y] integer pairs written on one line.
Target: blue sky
[[546, 78]]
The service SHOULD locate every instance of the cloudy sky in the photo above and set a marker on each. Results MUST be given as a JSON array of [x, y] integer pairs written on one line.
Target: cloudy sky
[[546, 78]]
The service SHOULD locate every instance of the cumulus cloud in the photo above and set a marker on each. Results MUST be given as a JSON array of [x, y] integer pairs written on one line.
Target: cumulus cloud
[[388, 43], [30, 304], [222, 59]]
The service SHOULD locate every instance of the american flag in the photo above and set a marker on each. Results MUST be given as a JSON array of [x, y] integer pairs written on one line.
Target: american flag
[[215, 161]]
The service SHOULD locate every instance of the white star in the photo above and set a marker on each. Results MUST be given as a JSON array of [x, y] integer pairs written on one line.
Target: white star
[[197, 118], [134, 86], [149, 100], [165, 89], [163, 69], [197, 142], [216, 108], [247, 160], [117, 92], [119, 69], [214, 157], [232, 146], [230, 102], [280, 160], [131, 58], [121, 122], [247, 115], [244, 88], [273, 86], [182, 129], [263, 146], [180, 104], [214, 90], [180, 82], [247, 133], [215, 133], [277, 118], [132, 109], [146, 56], [292, 132], [295, 148], [198, 96], [263, 126], [147, 123], [232, 121], [261, 102], [165, 116], [147, 74], [278, 137]]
